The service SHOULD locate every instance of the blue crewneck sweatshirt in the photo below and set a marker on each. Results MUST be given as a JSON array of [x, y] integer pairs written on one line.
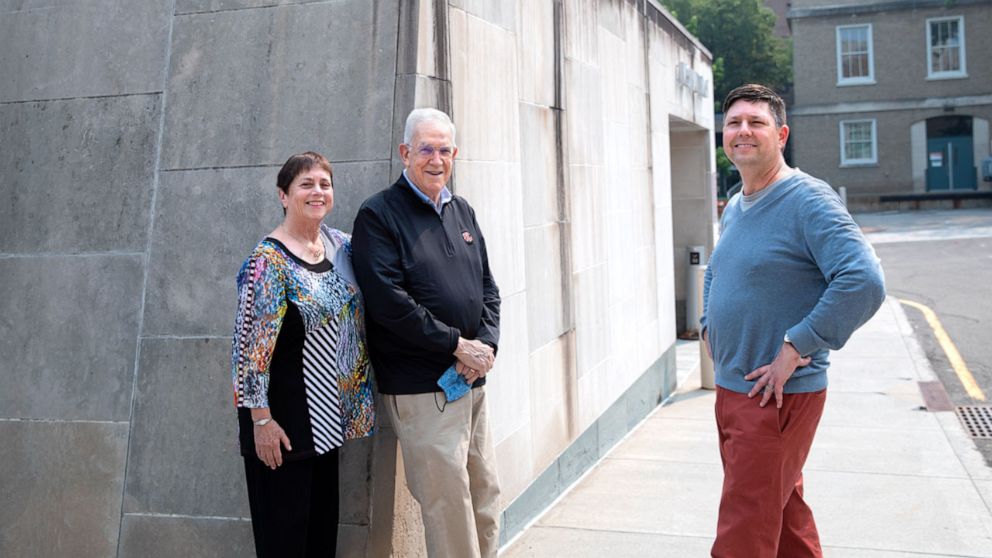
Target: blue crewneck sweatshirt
[[795, 262]]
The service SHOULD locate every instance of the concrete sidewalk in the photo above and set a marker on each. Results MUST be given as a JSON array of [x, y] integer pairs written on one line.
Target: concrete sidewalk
[[885, 477]]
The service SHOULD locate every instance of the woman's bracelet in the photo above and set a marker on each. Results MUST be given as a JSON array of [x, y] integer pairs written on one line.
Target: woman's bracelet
[[263, 422]]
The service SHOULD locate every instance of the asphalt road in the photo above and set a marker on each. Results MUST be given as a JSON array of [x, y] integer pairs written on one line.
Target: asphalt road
[[943, 259]]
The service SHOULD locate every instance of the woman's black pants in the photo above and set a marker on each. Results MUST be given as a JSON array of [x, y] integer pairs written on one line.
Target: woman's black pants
[[294, 509]]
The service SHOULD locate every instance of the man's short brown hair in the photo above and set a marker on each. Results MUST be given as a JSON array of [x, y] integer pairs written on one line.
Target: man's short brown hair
[[757, 93]]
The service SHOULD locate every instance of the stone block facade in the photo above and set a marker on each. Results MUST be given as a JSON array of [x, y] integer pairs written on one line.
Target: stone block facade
[[141, 142]]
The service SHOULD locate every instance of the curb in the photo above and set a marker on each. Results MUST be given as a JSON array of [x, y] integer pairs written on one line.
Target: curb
[[962, 444]]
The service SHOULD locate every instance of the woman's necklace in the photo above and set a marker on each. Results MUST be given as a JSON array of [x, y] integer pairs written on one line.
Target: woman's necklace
[[316, 253]]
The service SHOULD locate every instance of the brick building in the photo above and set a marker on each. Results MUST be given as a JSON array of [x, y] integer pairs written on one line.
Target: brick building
[[892, 96]]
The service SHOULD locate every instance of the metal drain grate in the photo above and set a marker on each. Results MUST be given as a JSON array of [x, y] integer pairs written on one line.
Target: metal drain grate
[[977, 420]]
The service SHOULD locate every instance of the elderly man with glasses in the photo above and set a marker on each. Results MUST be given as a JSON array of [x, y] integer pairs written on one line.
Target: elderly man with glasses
[[432, 305]]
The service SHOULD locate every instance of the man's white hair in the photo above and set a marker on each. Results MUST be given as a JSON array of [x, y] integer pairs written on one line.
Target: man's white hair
[[421, 115]]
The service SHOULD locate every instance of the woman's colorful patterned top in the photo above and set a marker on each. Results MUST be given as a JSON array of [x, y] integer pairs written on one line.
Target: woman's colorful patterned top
[[299, 347]]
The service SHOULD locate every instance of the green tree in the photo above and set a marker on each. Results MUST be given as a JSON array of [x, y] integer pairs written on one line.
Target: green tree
[[739, 34], [723, 163], [681, 9]]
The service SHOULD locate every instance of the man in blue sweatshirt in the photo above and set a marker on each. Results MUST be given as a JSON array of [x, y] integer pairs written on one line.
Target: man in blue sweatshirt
[[791, 278]]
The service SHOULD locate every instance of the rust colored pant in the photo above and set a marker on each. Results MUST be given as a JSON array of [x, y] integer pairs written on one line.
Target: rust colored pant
[[762, 512]]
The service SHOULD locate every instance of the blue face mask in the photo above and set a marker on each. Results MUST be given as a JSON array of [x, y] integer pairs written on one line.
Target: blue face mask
[[453, 384]]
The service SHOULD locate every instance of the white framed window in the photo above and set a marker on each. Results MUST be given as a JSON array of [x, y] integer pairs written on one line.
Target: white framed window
[[858, 143], [945, 48], [855, 56]]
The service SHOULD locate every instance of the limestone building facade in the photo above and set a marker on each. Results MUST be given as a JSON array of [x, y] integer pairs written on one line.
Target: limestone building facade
[[140, 142]]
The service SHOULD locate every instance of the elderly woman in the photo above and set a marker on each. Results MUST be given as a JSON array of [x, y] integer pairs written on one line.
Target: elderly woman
[[302, 379]]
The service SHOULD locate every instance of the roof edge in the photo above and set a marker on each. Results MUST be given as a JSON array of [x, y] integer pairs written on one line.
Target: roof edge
[[664, 13], [876, 7]]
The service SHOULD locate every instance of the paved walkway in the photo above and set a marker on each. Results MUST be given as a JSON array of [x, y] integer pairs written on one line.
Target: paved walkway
[[885, 477], [925, 225]]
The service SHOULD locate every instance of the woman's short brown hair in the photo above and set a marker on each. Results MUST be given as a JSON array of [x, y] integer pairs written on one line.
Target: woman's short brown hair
[[300, 163]]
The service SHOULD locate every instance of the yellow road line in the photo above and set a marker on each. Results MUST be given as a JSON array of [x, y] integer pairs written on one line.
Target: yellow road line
[[960, 368]]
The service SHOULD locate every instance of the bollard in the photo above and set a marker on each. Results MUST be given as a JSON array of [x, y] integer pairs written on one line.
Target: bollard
[[843, 195], [694, 288], [706, 376]]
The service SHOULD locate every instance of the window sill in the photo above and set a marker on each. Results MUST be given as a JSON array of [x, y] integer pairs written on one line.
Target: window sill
[[940, 77], [859, 165], [853, 83]]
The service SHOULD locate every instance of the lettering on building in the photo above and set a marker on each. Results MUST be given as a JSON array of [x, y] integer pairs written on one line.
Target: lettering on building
[[687, 77]]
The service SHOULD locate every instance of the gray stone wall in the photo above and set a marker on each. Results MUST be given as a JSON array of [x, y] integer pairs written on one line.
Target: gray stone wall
[[566, 116], [140, 145], [139, 142]]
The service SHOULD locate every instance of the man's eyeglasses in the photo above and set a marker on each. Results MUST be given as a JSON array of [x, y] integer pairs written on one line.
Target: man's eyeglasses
[[427, 151]]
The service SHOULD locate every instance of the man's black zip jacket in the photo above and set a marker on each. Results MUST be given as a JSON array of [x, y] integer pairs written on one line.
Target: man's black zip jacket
[[425, 280]]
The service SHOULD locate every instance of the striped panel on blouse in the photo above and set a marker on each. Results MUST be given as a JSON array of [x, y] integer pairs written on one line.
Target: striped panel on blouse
[[320, 377]]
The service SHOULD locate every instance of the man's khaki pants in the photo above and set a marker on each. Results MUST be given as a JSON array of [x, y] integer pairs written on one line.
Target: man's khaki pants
[[450, 468]]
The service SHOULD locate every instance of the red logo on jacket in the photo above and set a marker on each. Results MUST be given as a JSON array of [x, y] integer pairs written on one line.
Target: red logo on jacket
[[467, 236]]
